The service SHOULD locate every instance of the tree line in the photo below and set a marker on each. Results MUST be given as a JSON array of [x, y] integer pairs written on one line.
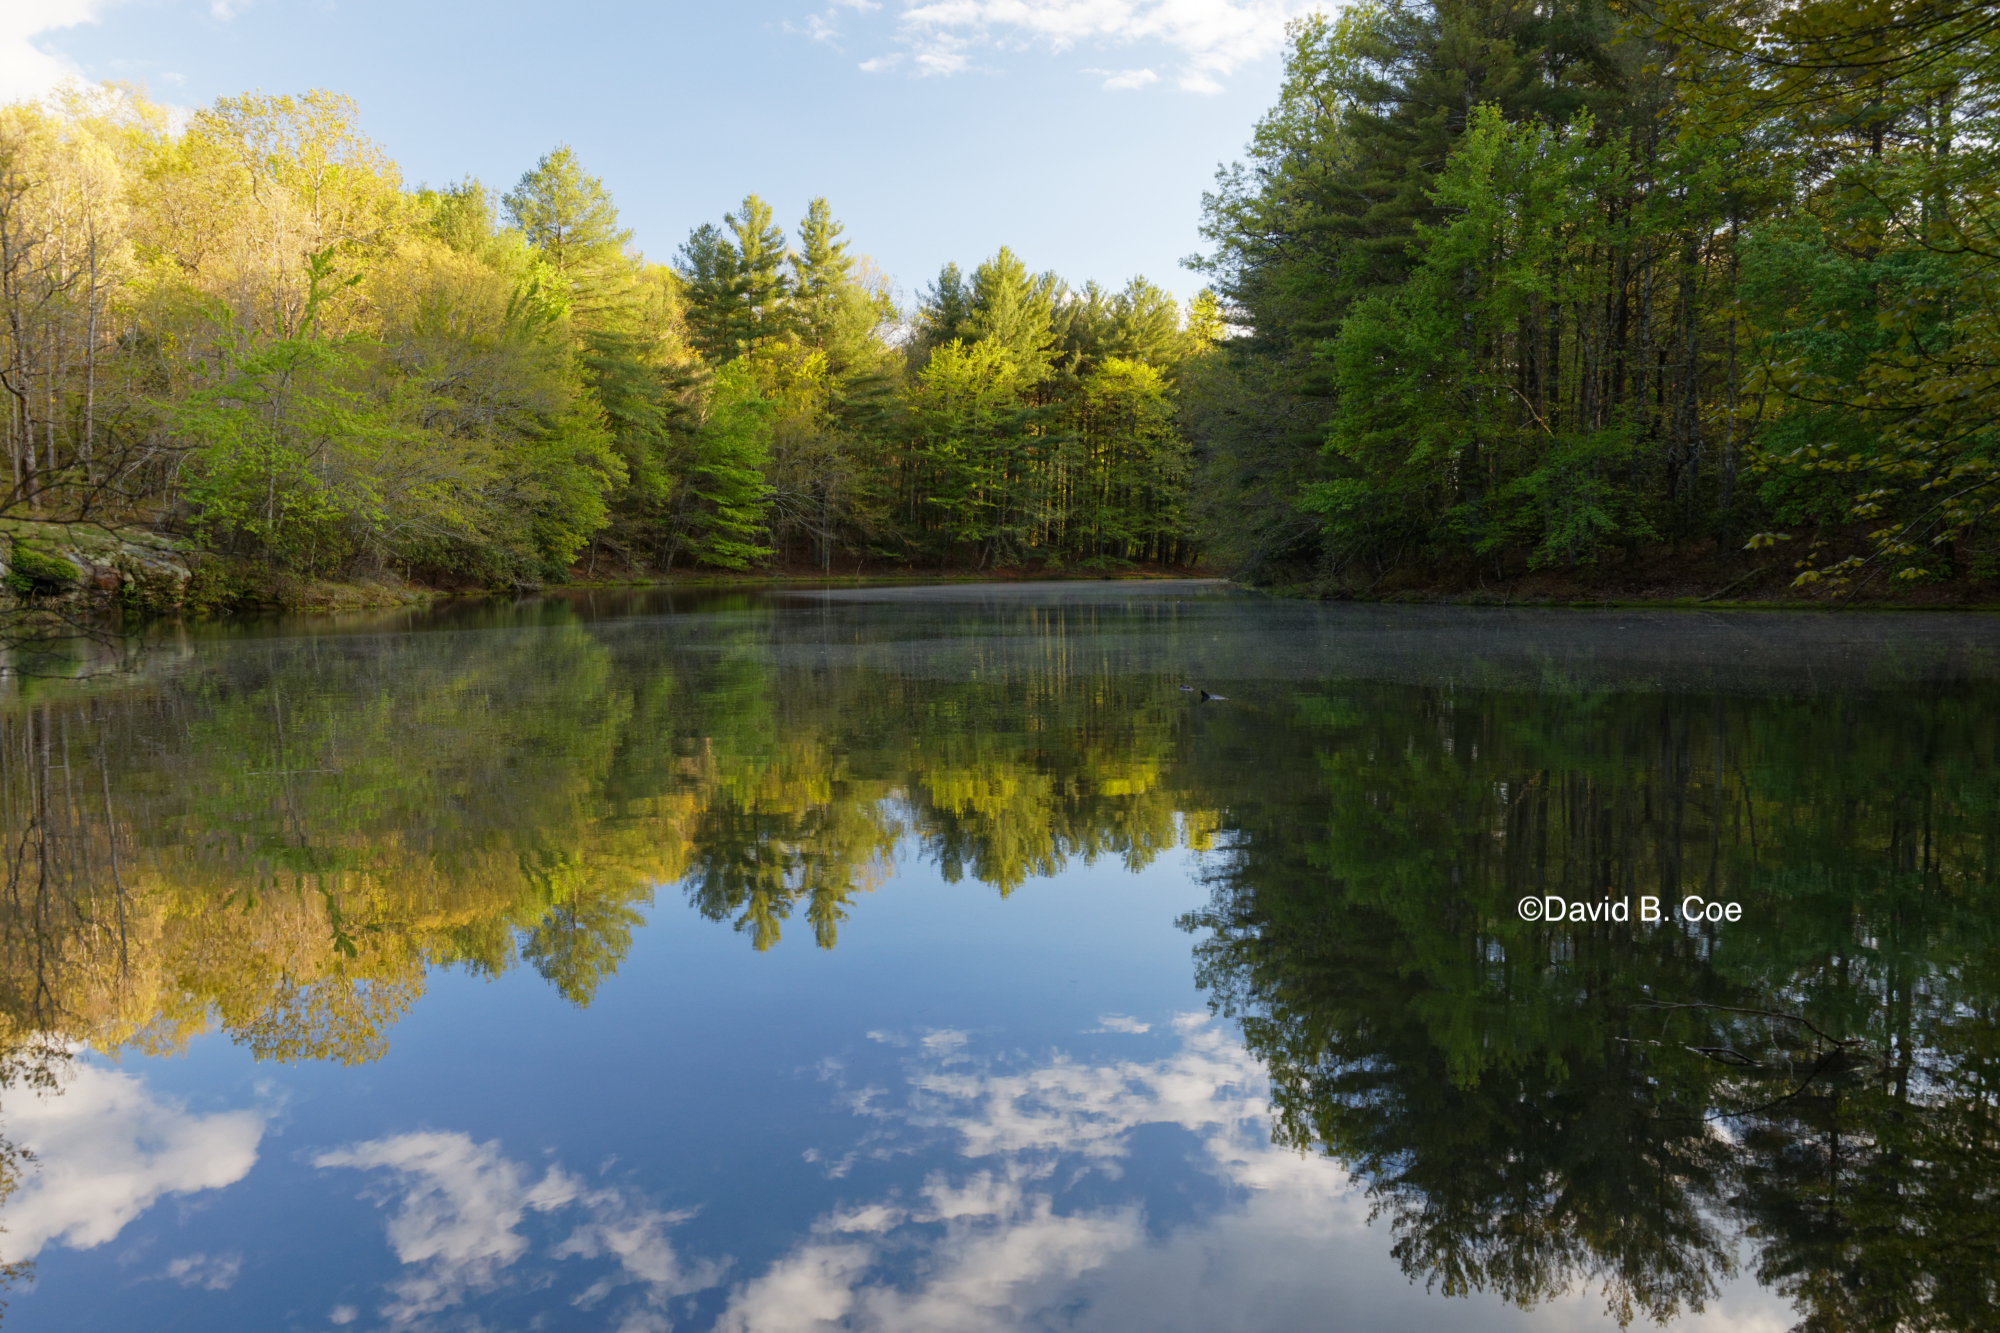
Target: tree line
[[1502, 289], [249, 333], [1554, 285]]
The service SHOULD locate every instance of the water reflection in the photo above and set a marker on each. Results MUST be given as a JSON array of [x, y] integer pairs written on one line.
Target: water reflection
[[459, 1208], [282, 838], [1028, 1222], [109, 1148], [1535, 1107]]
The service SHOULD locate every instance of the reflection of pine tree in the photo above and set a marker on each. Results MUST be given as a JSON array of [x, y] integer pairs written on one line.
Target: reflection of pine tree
[[1532, 1106], [1874, 1206]]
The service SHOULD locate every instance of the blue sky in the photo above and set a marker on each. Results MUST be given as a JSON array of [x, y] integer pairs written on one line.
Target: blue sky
[[1080, 132]]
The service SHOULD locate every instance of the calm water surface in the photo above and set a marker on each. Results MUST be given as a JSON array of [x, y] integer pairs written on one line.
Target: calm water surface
[[930, 959]]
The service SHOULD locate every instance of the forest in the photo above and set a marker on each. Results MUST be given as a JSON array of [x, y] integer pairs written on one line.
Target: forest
[[250, 335], [1667, 298], [1656, 287]]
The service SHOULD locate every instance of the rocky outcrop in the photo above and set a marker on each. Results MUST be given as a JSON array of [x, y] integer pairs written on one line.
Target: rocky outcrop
[[74, 565]]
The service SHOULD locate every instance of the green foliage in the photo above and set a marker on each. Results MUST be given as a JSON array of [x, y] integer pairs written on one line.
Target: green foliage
[[718, 513], [1556, 281], [1534, 1108], [737, 289], [1434, 423], [568, 216], [312, 373], [1513, 1093], [969, 443]]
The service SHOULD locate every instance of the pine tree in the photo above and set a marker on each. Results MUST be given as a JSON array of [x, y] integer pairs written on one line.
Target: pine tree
[[835, 313], [567, 215], [763, 292], [735, 282]]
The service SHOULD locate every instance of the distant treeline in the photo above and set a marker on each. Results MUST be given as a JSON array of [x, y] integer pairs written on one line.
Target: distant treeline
[[249, 332], [1502, 288]]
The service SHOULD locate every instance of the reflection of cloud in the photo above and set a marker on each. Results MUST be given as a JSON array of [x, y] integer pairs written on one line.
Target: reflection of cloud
[[995, 1250], [991, 1251], [1120, 1023], [459, 1207], [460, 1204], [108, 1149], [998, 1238], [1212, 1083], [214, 1272]]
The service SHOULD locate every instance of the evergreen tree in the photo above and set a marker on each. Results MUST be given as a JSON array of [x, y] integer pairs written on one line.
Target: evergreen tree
[[943, 311], [822, 272], [568, 216], [1013, 311], [737, 289], [835, 313], [718, 508]]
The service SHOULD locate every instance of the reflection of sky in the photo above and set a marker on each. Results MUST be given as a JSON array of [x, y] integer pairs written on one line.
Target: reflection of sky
[[106, 1150], [972, 1114]]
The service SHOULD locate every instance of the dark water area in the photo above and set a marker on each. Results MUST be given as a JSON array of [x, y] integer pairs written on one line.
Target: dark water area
[[939, 958]]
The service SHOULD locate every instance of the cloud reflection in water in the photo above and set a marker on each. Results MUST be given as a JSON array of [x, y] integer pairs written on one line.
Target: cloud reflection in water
[[988, 1247], [107, 1149], [459, 1205]]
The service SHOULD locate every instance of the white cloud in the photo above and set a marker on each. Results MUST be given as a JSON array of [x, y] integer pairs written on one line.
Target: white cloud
[[26, 69], [1124, 80], [107, 1149], [1211, 1083], [459, 1205], [875, 1217], [1005, 1258], [1213, 38], [637, 1238], [825, 26], [1119, 1022]]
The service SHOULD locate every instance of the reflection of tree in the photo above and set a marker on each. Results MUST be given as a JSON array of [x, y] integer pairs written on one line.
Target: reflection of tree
[[582, 936], [808, 779], [1533, 1107], [283, 849], [283, 843], [14, 1160], [1876, 1205], [1513, 1143]]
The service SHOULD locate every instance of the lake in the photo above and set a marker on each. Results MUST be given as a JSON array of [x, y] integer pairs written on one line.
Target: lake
[[942, 958]]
